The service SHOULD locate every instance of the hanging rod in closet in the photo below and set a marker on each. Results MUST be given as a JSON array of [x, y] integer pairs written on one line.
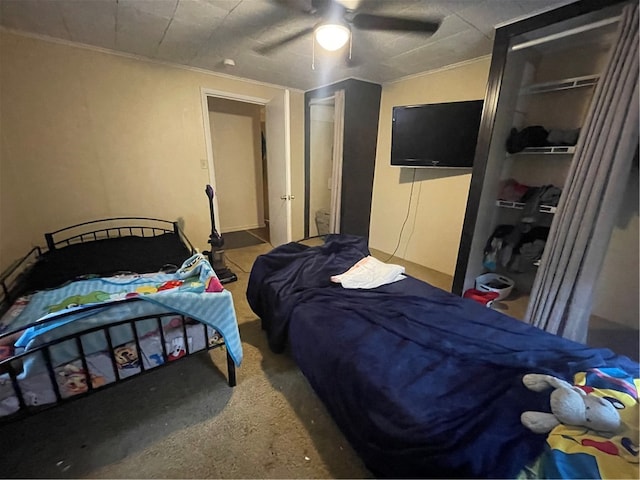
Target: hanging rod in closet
[[566, 33]]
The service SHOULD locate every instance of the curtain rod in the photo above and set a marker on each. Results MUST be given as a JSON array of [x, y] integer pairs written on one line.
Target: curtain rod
[[566, 33]]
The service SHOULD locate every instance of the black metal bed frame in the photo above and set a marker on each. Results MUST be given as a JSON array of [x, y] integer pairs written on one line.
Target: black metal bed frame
[[12, 282], [104, 233]]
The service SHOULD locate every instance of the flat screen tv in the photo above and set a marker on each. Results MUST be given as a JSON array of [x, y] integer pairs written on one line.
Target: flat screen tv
[[440, 135]]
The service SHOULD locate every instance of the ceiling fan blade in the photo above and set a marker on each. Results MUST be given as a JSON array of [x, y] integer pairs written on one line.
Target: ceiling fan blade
[[270, 47], [323, 5], [367, 21], [305, 6]]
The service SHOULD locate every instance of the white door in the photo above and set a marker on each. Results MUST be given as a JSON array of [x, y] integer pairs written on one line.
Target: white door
[[278, 124]]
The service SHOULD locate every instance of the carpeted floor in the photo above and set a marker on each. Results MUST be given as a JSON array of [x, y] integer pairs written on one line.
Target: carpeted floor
[[240, 239], [184, 421]]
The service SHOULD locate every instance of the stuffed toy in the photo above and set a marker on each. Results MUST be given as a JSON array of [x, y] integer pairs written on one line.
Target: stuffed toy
[[570, 405]]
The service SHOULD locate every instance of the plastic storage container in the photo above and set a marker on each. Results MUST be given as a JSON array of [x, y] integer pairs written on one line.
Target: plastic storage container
[[494, 282], [482, 297]]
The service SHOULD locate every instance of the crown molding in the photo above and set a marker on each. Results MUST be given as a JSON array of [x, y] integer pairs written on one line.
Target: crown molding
[[439, 69], [141, 58]]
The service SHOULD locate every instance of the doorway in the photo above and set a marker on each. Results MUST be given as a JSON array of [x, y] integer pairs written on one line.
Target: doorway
[[326, 131], [236, 141], [248, 158]]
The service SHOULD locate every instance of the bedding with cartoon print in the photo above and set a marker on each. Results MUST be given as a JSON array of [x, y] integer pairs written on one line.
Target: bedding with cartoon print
[[85, 304], [580, 452], [71, 376]]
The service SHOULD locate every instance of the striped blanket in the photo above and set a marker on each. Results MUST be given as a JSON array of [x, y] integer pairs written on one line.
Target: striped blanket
[[193, 291]]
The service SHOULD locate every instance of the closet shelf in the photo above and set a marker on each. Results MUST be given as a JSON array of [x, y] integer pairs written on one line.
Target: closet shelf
[[520, 206], [557, 85], [551, 150]]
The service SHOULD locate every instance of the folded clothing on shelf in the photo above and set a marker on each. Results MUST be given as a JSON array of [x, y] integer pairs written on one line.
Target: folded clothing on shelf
[[512, 190], [513, 248], [538, 136], [533, 197], [537, 196]]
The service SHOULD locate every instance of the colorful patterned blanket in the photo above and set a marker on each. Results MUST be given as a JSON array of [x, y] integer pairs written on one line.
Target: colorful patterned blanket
[[576, 452], [193, 291]]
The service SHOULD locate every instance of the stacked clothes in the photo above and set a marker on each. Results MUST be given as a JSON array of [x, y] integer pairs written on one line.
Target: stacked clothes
[[532, 197], [538, 136], [515, 248], [518, 248]]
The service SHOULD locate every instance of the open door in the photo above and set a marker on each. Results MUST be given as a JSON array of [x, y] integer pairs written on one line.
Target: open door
[[278, 124]]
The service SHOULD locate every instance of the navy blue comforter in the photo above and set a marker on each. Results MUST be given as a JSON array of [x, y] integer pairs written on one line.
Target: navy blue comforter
[[421, 382]]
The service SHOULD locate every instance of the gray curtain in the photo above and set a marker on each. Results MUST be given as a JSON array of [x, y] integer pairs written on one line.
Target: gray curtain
[[561, 297]]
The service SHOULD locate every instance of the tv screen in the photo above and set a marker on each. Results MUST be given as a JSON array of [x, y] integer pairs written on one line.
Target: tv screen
[[435, 135]]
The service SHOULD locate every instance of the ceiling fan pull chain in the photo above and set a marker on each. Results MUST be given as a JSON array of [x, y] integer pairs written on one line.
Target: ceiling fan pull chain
[[313, 53], [350, 45]]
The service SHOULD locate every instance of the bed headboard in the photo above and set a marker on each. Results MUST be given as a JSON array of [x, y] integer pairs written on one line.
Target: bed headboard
[[113, 228]]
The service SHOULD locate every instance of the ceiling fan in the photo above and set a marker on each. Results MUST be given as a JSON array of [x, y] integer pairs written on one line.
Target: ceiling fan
[[335, 22]]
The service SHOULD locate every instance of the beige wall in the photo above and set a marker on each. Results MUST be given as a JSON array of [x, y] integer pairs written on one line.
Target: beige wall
[[616, 296], [431, 236], [87, 134], [237, 161], [297, 164]]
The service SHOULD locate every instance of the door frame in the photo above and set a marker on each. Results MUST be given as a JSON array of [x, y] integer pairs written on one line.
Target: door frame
[[209, 92], [311, 96], [322, 101]]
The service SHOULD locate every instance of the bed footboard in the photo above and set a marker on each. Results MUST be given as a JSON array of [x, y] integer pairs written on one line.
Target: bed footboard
[[79, 364]]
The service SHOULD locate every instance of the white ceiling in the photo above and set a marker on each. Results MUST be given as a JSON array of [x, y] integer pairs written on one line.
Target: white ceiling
[[202, 33]]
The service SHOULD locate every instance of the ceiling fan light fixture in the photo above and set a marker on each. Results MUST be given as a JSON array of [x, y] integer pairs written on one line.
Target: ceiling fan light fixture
[[332, 36]]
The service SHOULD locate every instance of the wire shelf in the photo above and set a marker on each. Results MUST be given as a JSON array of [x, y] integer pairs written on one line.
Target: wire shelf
[[520, 206]]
